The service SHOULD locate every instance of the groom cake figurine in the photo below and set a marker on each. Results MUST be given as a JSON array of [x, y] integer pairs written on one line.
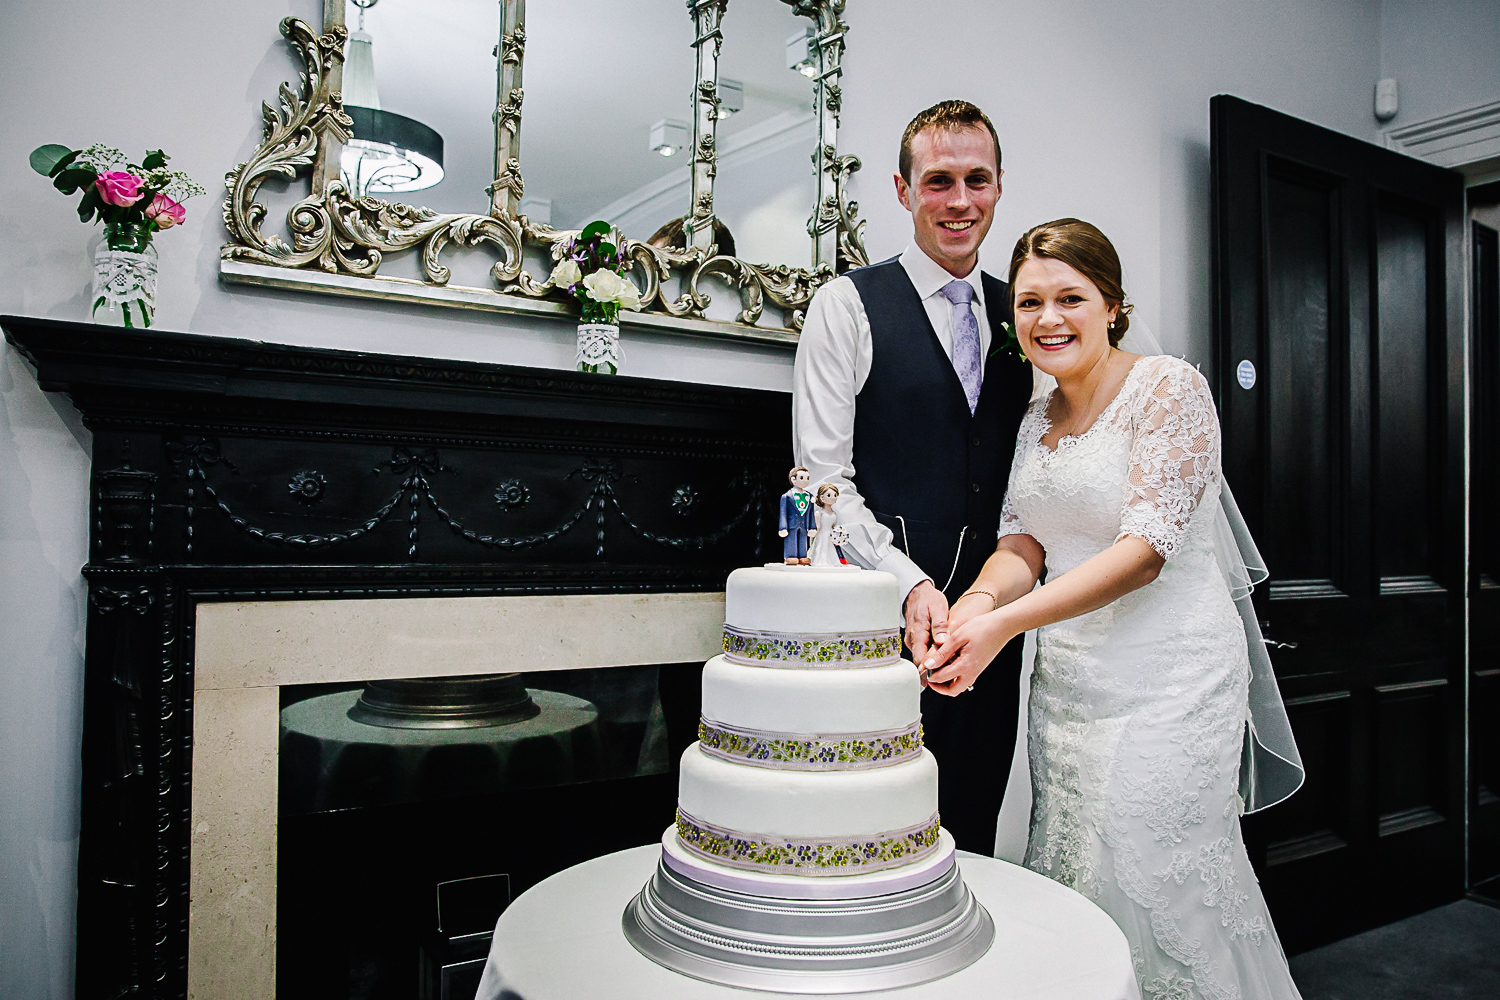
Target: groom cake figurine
[[798, 521], [907, 398]]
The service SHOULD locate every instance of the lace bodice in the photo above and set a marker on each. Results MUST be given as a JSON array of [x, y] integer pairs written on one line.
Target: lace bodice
[[1143, 468]]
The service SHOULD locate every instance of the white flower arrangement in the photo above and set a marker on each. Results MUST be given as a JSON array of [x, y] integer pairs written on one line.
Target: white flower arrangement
[[593, 270], [609, 288]]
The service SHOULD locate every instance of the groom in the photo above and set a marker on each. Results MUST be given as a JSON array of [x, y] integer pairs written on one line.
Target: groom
[[907, 399]]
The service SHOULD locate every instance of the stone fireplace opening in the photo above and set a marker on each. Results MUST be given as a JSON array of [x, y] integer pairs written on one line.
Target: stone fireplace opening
[[320, 839], [388, 830]]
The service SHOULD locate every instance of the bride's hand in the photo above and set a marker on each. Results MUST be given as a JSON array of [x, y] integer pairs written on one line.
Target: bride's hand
[[968, 607], [953, 667]]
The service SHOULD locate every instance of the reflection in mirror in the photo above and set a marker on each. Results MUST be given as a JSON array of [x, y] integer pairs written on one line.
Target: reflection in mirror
[[616, 128], [766, 188], [608, 113], [419, 82]]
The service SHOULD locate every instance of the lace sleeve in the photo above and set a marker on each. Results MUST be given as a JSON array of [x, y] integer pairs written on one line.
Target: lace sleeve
[[1174, 457], [1026, 435]]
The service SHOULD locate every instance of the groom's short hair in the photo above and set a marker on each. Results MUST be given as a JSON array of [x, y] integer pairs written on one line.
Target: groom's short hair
[[950, 116]]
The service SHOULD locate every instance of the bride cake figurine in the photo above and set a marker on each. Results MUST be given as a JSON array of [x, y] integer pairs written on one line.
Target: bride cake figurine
[[824, 550], [797, 522]]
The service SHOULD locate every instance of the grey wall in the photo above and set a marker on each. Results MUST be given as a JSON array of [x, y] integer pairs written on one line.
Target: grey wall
[[1103, 109], [1443, 54]]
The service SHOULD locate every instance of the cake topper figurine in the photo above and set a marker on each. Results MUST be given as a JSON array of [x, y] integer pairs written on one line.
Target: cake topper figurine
[[824, 550], [798, 522]]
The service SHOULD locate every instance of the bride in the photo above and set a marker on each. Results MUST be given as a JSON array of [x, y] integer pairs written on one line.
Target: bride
[[1142, 693]]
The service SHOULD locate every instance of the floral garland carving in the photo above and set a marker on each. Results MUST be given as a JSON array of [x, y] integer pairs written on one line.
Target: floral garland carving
[[807, 856], [415, 490], [809, 752], [333, 231]]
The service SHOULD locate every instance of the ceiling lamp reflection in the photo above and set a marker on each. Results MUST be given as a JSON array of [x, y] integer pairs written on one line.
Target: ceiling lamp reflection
[[390, 153], [731, 98], [802, 52], [668, 137]]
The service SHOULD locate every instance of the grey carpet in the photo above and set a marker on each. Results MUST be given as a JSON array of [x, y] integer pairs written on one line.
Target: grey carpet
[[1451, 953]]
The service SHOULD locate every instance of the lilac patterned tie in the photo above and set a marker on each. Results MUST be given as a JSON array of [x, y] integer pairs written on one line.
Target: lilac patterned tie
[[965, 339]]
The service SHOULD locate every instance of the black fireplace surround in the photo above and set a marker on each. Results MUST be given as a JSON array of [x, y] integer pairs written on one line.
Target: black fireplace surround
[[237, 470]]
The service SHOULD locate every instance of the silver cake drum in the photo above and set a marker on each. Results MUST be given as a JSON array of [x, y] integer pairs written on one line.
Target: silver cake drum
[[908, 935]]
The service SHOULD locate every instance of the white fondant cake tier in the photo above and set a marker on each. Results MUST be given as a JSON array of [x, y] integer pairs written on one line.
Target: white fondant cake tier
[[807, 804], [790, 700], [811, 600]]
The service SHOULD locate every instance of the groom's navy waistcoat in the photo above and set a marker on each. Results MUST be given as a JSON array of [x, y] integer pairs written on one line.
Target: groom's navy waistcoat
[[918, 452]]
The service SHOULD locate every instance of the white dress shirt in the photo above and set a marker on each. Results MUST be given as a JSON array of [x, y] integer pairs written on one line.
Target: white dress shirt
[[833, 361]]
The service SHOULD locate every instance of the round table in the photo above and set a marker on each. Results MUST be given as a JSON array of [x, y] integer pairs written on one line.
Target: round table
[[561, 940], [330, 761]]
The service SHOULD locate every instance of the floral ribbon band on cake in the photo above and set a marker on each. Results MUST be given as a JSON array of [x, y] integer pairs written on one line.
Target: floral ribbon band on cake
[[756, 648], [810, 752], [761, 852]]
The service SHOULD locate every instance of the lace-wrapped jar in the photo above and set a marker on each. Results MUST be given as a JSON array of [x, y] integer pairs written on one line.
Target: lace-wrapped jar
[[599, 338], [125, 276]]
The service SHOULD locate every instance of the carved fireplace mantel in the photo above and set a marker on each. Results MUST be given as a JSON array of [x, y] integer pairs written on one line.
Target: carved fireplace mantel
[[228, 471]]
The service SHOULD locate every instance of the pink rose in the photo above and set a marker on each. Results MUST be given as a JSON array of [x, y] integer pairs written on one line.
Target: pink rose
[[165, 212], [119, 188]]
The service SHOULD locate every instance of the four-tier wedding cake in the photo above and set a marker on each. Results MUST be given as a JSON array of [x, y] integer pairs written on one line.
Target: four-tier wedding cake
[[807, 856]]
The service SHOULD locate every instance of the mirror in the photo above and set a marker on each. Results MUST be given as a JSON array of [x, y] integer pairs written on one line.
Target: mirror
[[608, 113], [419, 84], [408, 124], [767, 133]]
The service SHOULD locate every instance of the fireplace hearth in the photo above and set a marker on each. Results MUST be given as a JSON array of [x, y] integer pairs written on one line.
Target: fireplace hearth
[[269, 517]]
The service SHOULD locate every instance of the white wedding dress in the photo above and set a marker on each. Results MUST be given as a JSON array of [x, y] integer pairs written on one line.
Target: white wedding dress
[[1138, 709]]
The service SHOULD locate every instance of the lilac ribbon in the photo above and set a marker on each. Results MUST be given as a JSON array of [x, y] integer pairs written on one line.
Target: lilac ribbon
[[807, 855], [810, 751]]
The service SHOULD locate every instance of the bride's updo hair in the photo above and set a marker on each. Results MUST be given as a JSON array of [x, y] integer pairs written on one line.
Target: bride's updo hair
[[1086, 250]]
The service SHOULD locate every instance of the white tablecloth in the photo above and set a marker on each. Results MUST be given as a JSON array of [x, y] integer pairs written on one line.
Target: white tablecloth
[[561, 940]]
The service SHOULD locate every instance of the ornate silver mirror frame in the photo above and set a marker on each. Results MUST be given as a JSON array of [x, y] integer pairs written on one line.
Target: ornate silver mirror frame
[[338, 241]]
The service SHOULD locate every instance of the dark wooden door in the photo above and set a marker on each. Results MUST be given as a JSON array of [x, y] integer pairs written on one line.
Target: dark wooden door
[[1339, 277], [1484, 580]]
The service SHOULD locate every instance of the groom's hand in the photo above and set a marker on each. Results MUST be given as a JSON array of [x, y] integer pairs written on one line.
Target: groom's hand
[[926, 619]]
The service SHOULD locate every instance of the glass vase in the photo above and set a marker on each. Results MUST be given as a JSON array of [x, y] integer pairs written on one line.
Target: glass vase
[[599, 339], [125, 276]]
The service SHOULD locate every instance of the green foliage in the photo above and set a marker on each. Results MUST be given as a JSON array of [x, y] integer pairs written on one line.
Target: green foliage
[[155, 160], [594, 230], [73, 178], [49, 159], [90, 204]]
